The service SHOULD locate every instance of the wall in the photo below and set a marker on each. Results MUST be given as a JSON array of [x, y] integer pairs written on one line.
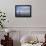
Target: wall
[[36, 23], [38, 18]]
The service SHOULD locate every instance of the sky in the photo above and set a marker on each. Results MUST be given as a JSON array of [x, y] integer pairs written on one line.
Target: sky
[[23, 10]]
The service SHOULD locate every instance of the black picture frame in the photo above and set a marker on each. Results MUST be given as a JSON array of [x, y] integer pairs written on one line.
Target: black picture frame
[[23, 15]]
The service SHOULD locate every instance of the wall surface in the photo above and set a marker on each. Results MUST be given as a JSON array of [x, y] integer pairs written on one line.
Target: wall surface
[[25, 25], [38, 18]]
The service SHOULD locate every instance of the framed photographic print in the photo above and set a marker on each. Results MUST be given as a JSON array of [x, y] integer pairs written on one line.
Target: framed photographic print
[[23, 11]]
